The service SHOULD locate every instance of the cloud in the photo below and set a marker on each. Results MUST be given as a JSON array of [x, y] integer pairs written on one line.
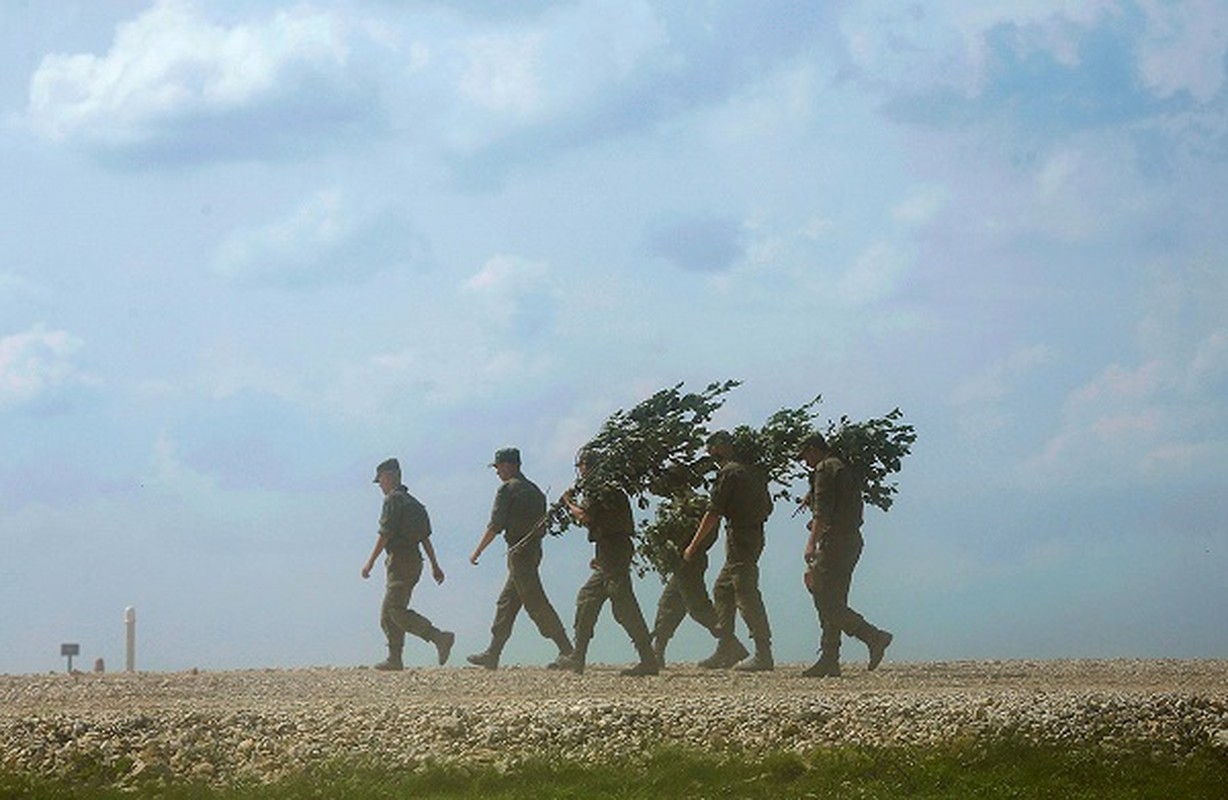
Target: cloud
[[322, 241], [1164, 416], [599, 71], [985, 403], [515, 294], [501, 72], [875, 275], [698, 244], [175, 87], [1181, 46], [38, 369], [1048, 67]]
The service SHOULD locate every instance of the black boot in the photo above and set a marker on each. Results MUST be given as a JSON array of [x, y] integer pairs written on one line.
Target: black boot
[[876, 641], [649, 665], [658, 650], [761, 661], [488, 658], [573, 661], [826, 667], [443, 641], [393, 662], [565, 650], [729, 651]]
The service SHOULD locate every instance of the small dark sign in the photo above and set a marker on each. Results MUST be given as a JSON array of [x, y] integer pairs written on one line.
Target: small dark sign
[[70, 650]]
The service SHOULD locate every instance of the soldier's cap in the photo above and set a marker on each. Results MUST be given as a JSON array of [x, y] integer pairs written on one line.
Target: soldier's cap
[[387, 465], [721, 437], [506, 455], [815, 439]]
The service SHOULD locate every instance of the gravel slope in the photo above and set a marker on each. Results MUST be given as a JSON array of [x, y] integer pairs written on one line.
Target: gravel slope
[[261, 725]]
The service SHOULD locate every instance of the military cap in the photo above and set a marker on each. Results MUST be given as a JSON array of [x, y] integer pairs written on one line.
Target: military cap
[[387, 465], [507, 455]]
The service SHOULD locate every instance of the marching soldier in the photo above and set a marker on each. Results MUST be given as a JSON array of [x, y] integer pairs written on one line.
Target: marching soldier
[[519, 513]]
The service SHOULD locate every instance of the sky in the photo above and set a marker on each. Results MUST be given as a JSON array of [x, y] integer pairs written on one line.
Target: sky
[[249, 250]]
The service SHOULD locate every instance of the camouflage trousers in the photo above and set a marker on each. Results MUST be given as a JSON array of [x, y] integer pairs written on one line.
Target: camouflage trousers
[[831, 577], [611, 584], [736, 588], [396, 618], [685, 593], [523, 589]]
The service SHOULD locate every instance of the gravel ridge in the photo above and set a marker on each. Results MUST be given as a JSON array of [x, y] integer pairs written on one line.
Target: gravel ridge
[[260, 725]]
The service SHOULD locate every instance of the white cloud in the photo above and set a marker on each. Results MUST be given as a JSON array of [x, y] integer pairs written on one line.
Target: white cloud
[[1184, 48], [514, 292], [323, 240], [875, 275], [170, 69], [909, 46], [982, 400], [37, 365], [501, 72], [922, 205]]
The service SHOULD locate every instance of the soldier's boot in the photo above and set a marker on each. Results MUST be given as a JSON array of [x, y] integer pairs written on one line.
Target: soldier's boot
[[876, 641], [761, 661], [729, 651], [573, 661], [443, 641], [828, 666], [565, 650], [649, 665], [658, 650], [487, 659], [393, 662]]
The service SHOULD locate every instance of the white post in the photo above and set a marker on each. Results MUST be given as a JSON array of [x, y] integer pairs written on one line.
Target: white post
[[130, 650]]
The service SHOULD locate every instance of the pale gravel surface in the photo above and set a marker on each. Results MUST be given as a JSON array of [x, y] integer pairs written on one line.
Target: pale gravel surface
[[260, 725]]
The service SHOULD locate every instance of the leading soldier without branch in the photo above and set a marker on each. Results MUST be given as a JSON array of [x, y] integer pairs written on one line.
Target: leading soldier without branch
[[404, 534]]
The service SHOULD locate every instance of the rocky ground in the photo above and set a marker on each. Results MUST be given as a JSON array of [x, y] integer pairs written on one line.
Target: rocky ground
[[259, 725]]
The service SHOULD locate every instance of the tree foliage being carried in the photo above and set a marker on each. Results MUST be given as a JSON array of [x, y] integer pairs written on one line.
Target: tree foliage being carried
[[656, 453]]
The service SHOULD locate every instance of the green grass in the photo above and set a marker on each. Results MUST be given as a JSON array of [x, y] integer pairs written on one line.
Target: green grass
[[1000, 770]]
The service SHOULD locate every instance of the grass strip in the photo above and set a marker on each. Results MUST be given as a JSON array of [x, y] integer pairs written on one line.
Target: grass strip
[[984, 771]]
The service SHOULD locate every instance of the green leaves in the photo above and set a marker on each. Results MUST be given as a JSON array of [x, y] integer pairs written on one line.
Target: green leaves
[[876, 448], [655, 453]]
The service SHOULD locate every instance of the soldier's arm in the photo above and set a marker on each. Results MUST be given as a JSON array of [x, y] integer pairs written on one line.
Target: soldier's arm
[[436, 570], [487, 538], [702, 532], [379, 548]]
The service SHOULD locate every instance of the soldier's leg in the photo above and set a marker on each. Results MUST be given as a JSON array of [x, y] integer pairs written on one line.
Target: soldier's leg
[[754, 614], [729, 650], [671, 609], [630, 616], [724, 599], [589, 600], [695, 595], [833, 574], [853, 623], [533, 596], [507, 606], [396, 595], [409, 571]]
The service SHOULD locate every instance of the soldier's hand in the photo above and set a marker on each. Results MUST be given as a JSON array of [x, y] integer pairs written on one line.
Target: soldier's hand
[[473, 559], [366, 571], [438, 574]]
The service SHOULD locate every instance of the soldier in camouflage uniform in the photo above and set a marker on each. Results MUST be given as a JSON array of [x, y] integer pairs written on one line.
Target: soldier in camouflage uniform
[[741, 496], [832, 551], [519, 512], [404, 533], [686, 593], [606, 512]]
